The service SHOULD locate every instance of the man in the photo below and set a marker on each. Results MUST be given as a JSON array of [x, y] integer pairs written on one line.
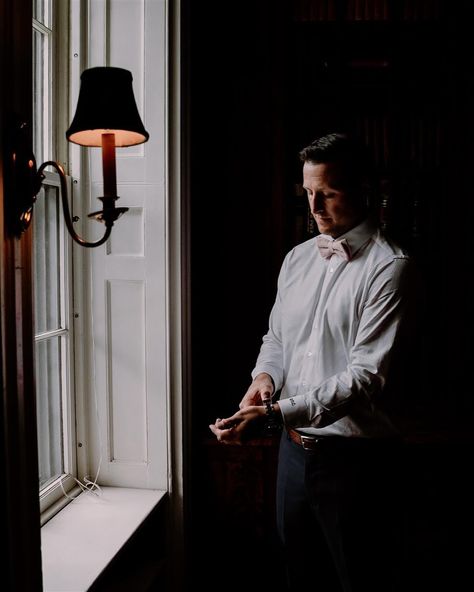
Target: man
[[333, 332]]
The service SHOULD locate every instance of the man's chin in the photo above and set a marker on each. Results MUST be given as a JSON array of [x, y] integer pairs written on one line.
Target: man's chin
[[324, 226]]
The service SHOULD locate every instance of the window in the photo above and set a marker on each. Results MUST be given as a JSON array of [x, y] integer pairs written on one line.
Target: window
[[52, 278], [52, 338], [103, 388]]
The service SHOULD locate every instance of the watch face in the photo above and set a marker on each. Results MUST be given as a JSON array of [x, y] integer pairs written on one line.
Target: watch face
[[272, 427]]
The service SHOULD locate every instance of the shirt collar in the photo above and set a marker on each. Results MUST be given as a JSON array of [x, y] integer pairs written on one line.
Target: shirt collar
[[358, 236]]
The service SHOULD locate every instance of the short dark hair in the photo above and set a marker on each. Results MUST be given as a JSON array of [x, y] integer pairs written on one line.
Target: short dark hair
[[342, 150]]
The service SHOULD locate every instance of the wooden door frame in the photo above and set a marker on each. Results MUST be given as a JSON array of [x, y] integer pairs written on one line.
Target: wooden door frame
[[20, 517]]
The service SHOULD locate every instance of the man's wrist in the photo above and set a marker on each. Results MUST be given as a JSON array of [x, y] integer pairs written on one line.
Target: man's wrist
[[272, 410], [267, 403], [273, 418]]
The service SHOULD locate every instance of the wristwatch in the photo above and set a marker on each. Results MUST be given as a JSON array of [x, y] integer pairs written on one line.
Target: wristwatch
[[273, 420], [269, 409]]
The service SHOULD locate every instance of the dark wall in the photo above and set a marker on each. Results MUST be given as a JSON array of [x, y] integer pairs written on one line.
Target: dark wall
[[266, 78], [237, 192], [238, 58]]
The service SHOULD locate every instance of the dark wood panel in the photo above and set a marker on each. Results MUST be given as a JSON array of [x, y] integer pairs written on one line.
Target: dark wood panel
[[20, 530], [235, 519]]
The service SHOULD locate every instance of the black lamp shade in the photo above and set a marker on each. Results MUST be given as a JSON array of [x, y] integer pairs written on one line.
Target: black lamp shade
[[106, 104]]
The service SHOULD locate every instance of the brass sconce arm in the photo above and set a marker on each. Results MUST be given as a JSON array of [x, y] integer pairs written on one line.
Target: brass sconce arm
[[108, 215]]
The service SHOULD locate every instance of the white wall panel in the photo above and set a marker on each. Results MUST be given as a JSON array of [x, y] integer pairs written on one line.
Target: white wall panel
[[130, 240], [129, 274], [127, 42], [126, 369]]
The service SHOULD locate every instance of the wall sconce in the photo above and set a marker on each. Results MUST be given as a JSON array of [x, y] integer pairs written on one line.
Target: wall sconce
[[106, 117]]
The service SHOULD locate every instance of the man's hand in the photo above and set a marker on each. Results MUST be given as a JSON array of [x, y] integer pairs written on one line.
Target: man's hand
[[261, 388], [232, 429]]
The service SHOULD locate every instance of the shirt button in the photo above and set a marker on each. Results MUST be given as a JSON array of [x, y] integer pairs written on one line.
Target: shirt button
[[309, 354], [331, 269], [304, 383]]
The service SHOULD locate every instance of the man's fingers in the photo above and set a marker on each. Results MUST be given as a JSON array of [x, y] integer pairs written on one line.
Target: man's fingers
[[214, 430], [227, 436], [222, 424]]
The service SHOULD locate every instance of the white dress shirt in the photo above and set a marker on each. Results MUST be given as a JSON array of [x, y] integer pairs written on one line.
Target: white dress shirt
[[331, 335]]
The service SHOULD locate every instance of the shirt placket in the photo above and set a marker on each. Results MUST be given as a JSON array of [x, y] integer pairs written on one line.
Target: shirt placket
[[307, 379]]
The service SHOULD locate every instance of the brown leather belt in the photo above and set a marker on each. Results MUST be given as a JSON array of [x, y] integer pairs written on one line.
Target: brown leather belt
[[307, 442], [335, 443]]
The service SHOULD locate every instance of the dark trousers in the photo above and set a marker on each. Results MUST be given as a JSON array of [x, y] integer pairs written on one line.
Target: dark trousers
[[338, 515]]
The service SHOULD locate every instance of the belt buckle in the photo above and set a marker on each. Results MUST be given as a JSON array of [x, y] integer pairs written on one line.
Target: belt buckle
[[308, 442]]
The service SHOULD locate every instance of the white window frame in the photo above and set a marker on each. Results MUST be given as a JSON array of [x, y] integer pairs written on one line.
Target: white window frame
[[55, 147], [54, 490]]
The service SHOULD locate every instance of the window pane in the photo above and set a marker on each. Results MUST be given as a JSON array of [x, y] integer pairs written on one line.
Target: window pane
[[40, 96], [49, 409], [47, 261], [42, 11]]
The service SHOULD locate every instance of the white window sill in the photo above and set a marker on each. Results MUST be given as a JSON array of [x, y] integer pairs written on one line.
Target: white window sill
[[81, 540]]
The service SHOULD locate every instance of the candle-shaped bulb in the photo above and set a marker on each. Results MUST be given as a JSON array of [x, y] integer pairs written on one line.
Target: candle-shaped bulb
[[108, 165]]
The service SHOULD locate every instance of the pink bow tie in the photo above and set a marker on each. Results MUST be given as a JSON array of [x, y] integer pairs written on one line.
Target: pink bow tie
[[328, 247]]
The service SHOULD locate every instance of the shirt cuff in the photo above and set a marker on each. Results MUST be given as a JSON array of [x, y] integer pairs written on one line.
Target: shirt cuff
[[294, 410]]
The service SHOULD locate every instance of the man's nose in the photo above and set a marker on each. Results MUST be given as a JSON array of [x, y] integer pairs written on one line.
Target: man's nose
[[317, 203]]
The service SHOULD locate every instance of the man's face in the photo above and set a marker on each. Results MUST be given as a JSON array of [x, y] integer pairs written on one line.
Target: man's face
[[333, 208]]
